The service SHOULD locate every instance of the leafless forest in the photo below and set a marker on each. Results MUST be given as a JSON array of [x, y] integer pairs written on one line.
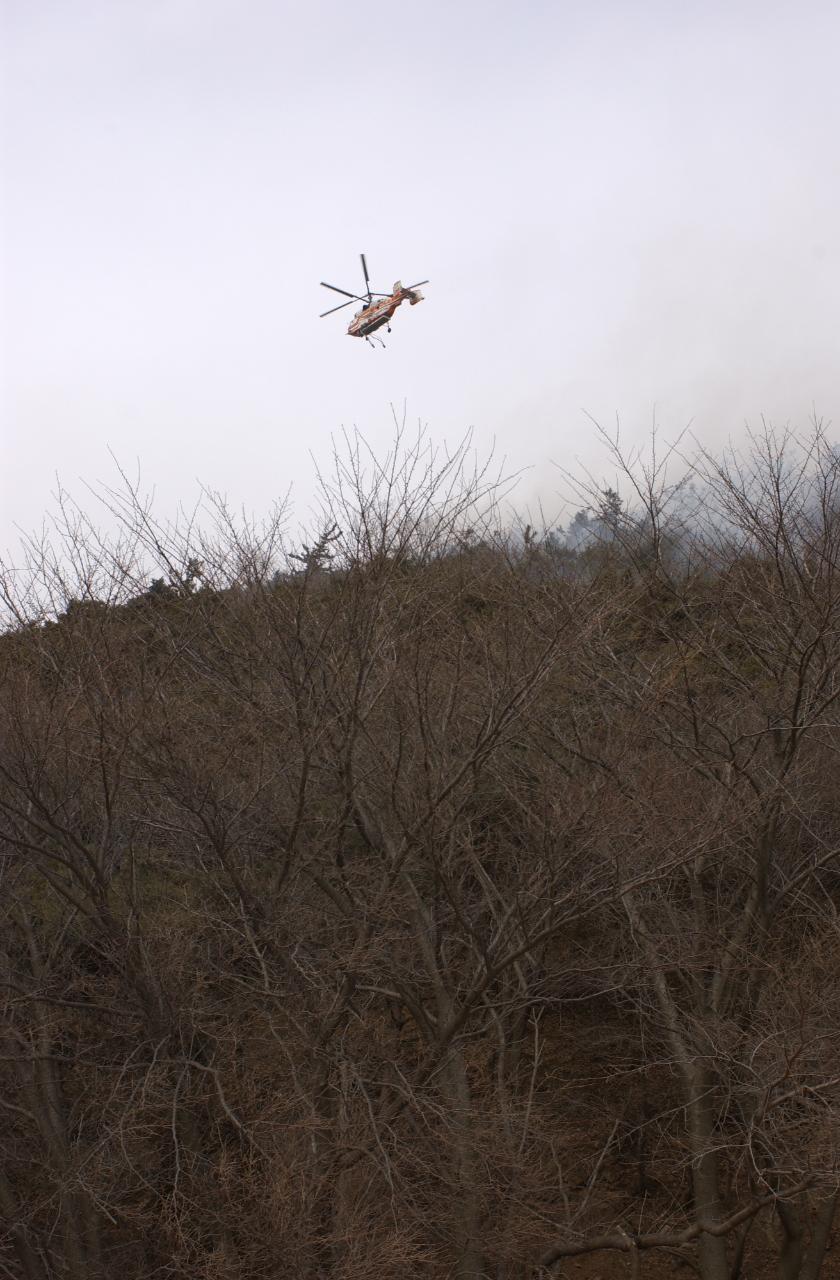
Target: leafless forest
[[439, 899]]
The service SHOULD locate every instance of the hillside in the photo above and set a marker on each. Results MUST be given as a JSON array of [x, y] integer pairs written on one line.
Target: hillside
[[433, 901]]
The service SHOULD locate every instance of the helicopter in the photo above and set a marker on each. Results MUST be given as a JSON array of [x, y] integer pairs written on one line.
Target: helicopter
[[374, 315]]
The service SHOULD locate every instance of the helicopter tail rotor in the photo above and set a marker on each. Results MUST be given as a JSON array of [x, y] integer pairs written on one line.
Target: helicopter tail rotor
[[412, 292]]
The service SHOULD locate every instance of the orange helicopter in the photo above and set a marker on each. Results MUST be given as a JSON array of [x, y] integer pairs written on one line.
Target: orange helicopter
[[374, 314]]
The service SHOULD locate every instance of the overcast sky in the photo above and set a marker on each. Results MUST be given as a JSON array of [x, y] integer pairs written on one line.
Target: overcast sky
[[620, 205]]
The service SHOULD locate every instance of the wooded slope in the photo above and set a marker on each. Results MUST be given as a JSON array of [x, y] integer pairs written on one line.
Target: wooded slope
[[434, 903]]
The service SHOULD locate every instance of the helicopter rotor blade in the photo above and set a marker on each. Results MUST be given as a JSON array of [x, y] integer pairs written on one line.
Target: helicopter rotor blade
[[417, 285], [335, 289], [340, 306], [367, 278]]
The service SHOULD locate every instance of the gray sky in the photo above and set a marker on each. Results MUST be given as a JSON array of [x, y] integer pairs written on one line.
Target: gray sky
[[619, 206]]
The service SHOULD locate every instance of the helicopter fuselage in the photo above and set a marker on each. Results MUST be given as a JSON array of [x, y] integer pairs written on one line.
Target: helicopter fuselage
[[374, 316], [377, 308]]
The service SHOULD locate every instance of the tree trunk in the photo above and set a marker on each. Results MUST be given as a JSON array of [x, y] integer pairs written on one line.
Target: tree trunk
[[469, 1260], [30, 1263], [706, 1180], [790, 1257], [820, 1231]]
